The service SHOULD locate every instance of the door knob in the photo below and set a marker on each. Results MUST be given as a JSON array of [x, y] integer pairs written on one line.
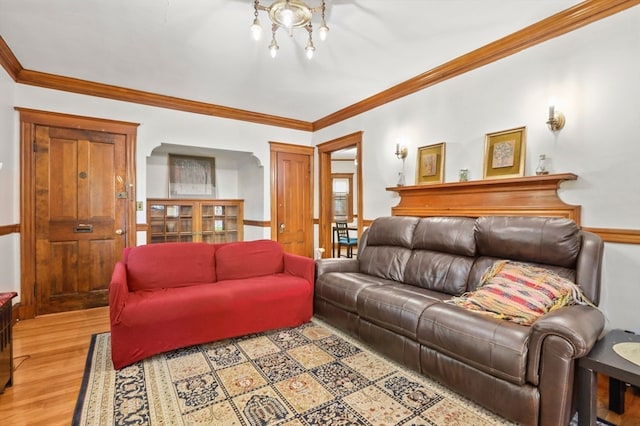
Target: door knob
[[282, 228], [119, 231]]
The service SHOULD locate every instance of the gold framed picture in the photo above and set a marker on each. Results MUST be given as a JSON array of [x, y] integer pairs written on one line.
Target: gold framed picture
[[191, 177], [430, 167], [504, 154]]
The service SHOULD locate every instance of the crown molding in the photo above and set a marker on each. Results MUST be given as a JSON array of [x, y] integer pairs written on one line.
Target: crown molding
[[57, 82], [8, 60], [561, 23]]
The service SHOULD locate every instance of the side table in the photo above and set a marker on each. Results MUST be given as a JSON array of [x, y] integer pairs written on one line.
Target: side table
[[6, 340], [603, 359]]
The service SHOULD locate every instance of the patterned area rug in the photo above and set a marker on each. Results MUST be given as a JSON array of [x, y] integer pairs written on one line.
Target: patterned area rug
[[309, 375]]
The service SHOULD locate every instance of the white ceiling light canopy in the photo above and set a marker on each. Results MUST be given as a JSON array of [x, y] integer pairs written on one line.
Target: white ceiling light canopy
[[290, 15]]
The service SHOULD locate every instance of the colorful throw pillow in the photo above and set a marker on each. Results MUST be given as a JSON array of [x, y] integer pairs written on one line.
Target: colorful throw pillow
[[520, 293]]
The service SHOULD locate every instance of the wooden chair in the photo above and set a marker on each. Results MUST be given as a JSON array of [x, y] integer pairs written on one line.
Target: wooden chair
[[342, 229]]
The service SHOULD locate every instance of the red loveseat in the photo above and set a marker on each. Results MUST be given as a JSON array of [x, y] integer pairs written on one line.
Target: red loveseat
[[172, 295]]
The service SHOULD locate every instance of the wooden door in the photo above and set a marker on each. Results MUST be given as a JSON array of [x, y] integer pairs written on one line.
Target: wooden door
[[80, 220], [292, 186]]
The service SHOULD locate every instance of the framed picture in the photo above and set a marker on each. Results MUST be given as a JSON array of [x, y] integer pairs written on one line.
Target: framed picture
[[430, 167], [191, 177], [504, 154]]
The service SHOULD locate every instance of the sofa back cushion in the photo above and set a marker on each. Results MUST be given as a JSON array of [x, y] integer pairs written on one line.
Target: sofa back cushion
[[246, 259], [388, 247], [541, 240], [443, 250], [167, 265], [454, 235]]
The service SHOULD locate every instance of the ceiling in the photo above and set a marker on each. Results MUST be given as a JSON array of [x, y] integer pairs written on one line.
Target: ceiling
[[201, 50]]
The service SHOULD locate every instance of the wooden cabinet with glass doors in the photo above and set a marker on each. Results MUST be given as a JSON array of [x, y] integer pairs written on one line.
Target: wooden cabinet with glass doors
[[184, 220]]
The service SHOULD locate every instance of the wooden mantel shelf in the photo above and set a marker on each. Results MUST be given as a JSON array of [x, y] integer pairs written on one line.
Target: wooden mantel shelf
[[523, 196]]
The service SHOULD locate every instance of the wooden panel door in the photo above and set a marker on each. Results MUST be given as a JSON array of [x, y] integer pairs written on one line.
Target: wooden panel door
[[80, 202], [292, 185]]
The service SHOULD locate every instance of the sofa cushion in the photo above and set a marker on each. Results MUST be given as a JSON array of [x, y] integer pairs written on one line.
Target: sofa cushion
[[388, 247], [248, 259], [442, 272], [396, 307], [454, 235], [342, 288], [167, 265], [520, 293], [496, 347], [545, 240]]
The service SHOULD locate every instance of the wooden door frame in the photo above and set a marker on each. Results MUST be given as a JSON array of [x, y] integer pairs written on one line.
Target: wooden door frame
[[29, 119], [325, 150], [279, 147]]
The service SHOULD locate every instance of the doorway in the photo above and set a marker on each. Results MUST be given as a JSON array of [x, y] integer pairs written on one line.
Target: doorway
[[77, 208], [292, 197], [325, 193]]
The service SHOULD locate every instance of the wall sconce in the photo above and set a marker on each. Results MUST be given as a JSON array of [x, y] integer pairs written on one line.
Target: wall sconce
[[401, 154], [556, 119]]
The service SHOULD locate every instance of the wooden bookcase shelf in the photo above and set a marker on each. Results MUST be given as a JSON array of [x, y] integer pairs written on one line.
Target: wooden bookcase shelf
[[522, 196], [185, 220]]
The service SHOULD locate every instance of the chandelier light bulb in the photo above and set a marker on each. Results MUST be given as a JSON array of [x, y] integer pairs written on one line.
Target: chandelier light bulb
[[256, 30], [286, 17], [289, 15], [323, 31], [273, 48], [310, 49]]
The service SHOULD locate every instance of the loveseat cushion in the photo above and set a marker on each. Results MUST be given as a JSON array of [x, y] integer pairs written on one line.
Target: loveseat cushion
[[247, 259], [167, 265], [497, 347]]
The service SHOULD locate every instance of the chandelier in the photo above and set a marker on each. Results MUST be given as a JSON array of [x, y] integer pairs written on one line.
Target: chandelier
[[289, 15]]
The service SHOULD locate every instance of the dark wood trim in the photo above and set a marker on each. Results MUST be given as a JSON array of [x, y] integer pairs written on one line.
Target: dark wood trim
[[9, 229], [274, 149], [325, 186], [29, 119], [68, 84], [259, 223], [556, 25], [142, 227], [615, 235], [8, 60], [522, 196]]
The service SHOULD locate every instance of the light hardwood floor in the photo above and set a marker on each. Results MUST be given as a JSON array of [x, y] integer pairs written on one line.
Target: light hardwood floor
[[50, 353]]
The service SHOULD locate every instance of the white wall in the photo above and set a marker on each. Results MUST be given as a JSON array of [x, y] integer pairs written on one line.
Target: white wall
[[157, 125], [593, 72], [594, 75], [9, 179]]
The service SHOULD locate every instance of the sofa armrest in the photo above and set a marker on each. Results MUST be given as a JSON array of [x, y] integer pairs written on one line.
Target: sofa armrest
[[324, 266], [118, 291], [580, 325], [299, 266]]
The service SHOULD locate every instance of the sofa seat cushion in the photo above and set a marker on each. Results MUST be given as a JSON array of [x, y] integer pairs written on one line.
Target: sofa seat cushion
[[214, 299], [496, 347], [342, 288], [169, 265], [247, 259], [396, 307]]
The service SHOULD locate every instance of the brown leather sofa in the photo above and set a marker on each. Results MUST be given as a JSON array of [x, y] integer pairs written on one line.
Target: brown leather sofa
[[391, 297]]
